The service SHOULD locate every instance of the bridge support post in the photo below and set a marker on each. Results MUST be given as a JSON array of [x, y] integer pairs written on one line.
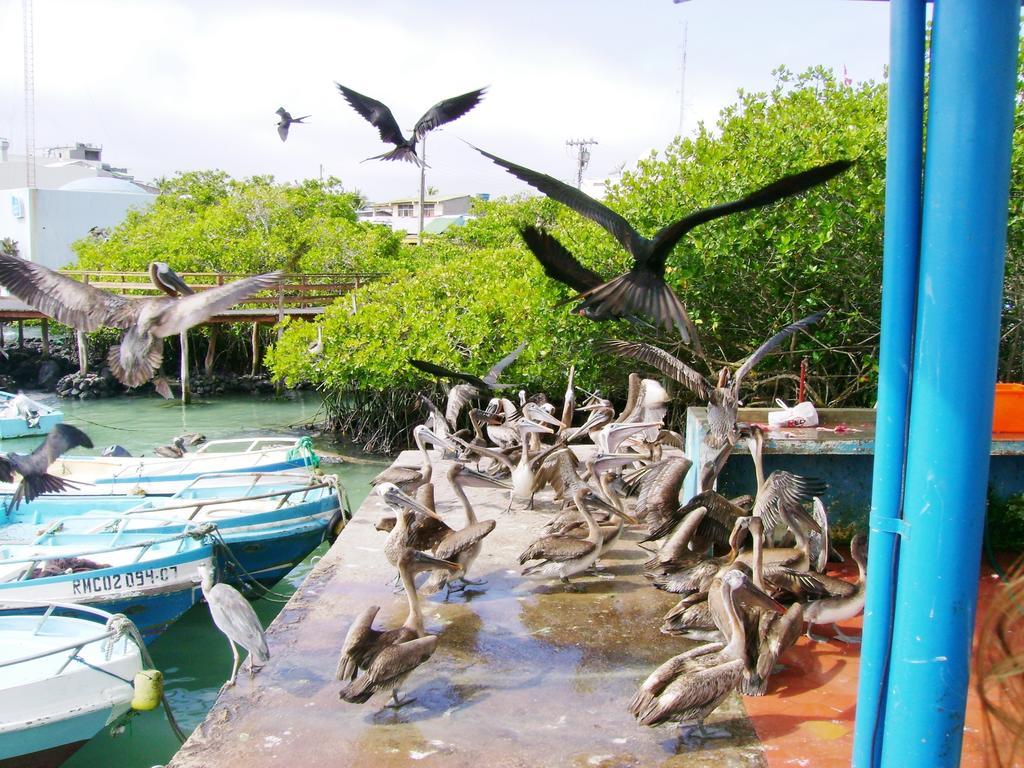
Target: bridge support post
[[186, 388], [45, 330], [255, 348], [21, 334], [83, 353], [211, 351]]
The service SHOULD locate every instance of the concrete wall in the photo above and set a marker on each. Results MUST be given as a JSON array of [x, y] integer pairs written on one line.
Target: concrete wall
[[52, 219]]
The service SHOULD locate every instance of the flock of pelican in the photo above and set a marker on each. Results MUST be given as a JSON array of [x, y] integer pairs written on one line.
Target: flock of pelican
[[749, 572]]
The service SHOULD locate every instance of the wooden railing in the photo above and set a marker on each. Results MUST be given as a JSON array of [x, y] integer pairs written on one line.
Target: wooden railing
[[296, 291]]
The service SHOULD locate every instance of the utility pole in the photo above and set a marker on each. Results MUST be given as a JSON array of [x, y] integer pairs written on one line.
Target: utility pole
[[682, 82], [30, 94], [423, 186], [582, 156]]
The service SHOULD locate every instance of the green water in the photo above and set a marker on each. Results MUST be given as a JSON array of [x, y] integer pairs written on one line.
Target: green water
[[192, 654]]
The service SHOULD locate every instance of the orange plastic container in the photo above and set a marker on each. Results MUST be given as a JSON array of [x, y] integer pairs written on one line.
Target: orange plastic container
[[1009, 411]]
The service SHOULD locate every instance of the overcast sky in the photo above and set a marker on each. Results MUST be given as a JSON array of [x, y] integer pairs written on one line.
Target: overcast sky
[[170, 85]]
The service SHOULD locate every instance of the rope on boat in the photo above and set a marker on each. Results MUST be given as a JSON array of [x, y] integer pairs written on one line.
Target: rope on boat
[[119, 624], [303, 449], [245, 576]]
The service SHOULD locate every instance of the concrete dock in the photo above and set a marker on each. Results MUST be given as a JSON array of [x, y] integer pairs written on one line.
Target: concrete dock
[[525, 673]]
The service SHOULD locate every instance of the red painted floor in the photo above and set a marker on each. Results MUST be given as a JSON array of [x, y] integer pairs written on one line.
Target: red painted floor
[[807, 717]]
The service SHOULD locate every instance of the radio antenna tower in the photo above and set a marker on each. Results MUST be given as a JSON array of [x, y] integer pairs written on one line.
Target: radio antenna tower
[[30, 96], [582, 156]]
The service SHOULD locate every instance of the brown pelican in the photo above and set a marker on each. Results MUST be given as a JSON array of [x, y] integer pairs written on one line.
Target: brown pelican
[[643, 289], [836, 609], [401, 536], [32, 466], [461, 546], [696, 576], [485, 384], [380, 117], [410, 478], [316, 348], [523, 474], [563, 555], [286, 122], [689, 687], [175, 450], [660, 485], [363, 643], [145, 321], [722, 397]]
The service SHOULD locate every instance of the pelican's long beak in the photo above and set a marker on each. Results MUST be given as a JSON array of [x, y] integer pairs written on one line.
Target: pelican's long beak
[[536, 413], [752, 597], [472, 478], [531, 426]]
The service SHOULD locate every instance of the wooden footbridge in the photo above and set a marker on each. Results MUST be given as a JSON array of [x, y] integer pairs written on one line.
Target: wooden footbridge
[[302, 296]]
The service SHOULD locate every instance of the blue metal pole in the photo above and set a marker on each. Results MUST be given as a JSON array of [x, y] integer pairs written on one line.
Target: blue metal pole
[[899, 291], [966, 194]]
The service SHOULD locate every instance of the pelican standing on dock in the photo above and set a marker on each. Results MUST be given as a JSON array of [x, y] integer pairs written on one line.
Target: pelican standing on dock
[[689, 687], [145, 322]]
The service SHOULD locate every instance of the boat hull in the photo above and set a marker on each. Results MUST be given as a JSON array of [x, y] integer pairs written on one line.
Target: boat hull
[[153, 593], [62, 679]]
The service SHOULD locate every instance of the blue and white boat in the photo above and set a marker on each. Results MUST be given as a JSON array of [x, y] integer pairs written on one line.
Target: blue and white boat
[[63, 677], [20, 416], [266, 523], [160, 475], [151, 579]]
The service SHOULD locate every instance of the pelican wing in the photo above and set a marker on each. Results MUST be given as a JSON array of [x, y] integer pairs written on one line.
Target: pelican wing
[[579, 201], [399, 660], [446, 111], [693, 696], [376, 113], [180, 315], [459, 541], [556, 549], [557, 262], [668, 364], [282, 130], [492, 375], [794, 184], [68, 301], [783, 496], [427, 531], [458, 396], [761, 352], [360, 635]]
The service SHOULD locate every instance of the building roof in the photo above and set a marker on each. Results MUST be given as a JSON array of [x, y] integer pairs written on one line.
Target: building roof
[[427, 199], [104, 184]]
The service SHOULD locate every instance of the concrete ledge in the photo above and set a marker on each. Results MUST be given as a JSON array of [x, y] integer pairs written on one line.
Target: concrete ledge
[[525, 674]]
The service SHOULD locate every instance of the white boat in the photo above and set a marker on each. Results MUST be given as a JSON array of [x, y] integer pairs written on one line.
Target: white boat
[[63, 677], [21, 416], [160, 475], [151, 578]]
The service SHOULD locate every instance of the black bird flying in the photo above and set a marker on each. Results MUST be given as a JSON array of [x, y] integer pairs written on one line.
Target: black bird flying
[[380, 117], [643, 289], [488, 382], [32, 466], [286, 121]]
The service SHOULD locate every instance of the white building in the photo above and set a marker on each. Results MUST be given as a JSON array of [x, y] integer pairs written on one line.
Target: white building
[[75, 192], [403, 214]]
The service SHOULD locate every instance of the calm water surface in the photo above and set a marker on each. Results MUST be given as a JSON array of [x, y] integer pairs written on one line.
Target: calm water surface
[[192, 654]]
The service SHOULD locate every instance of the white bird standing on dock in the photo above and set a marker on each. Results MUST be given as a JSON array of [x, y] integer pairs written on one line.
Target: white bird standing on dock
[[235, 617], [145, 322]]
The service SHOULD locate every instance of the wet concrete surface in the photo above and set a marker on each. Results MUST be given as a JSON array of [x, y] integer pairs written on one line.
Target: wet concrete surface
[[525, 673]]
